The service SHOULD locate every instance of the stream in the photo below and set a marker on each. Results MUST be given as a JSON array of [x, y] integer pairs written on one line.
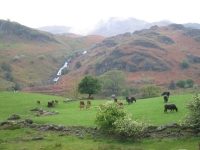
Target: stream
[[64, 66]]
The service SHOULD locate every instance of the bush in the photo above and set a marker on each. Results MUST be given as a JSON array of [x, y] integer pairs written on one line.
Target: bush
[[172, 85], [41, 57], [192, 119], [78, 64], [190, 82], [180, 83], [64, 71], [113, 119], [107, 115], [185, 64], [16, 58], [128, 127]]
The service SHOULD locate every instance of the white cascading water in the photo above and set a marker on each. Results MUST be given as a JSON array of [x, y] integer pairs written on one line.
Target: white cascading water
[[60, 70]]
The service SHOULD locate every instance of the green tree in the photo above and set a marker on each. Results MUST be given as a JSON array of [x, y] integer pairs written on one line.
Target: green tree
[[189, 82], [185, 64], [149, 91], [113, 81], [89, 85], [78, 64], [126, 91], [172, 85], [64, 71], [192, 119], [5, 66], [180, 83]]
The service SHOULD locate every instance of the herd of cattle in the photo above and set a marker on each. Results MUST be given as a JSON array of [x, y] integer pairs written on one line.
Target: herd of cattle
[[129, 100]]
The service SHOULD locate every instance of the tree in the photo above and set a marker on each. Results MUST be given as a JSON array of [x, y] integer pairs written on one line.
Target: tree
[[149, 91], [185, 64], [180, 83], [89, 85], [190, 82], [172, 85], [113, 81], [78, 64]]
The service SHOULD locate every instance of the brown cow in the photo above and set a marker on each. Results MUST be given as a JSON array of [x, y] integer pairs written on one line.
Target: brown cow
[[87, 107], [82, 103], [121, 104], [88, 102], [81, 107]]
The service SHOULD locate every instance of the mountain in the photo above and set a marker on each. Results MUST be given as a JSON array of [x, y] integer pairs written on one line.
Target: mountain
[[32, 57], [149, 56], [115, 26], [155, 55]]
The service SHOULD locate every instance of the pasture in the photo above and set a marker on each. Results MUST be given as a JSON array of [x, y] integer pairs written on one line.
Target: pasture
[[151, 109]]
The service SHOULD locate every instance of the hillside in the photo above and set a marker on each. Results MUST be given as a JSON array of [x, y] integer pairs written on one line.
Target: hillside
[[148, 56], [31, 57], [152, 56]]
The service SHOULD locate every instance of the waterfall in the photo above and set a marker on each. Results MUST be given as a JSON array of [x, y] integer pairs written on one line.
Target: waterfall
[[60, 70]]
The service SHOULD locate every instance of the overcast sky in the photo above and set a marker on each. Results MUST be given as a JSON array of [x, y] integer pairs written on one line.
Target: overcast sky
[[84, 14]]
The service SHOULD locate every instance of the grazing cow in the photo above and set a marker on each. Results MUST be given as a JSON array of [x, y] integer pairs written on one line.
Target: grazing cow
[[38, 102], [121, 104], [50, 104], [115, 99], [81, 107], [130, 99], [133, 99], [165, 98], [87, 107], [88, 102], [82, 103], [165, 93], [171, 107]]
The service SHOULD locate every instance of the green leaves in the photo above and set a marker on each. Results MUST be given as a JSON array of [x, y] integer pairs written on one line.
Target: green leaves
[[89, 85]]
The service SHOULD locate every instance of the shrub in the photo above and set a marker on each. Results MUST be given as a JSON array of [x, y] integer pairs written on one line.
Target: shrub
[[41, 57], [16, 58], [185, 64], [172, 85], [113, 119], [149, 91], [64, 71], [192, 119], [190, 82], [128, 127], [107, 115], [78, 64], [180, 83]]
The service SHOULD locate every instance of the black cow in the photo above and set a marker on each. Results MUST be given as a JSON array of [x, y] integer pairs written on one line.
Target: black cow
[[50, 104], [165, 93], [165, 98], [130, 99], [171, 107]]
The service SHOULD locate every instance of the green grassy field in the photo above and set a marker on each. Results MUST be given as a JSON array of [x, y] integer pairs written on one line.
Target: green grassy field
[[69, 114]]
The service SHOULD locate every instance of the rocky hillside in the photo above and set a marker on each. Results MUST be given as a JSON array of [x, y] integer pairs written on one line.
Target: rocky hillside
[[30, 57], [153, 56]]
